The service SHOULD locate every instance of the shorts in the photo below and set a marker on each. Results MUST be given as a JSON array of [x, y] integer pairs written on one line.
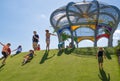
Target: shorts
[[4, 54], [48, 41], [35, 45], [100, 59], [30, 56]]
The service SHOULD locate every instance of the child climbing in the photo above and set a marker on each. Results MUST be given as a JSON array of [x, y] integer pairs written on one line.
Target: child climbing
[[6, 51]]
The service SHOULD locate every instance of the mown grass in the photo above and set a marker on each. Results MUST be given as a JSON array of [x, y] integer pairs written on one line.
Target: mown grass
[[59, 66]]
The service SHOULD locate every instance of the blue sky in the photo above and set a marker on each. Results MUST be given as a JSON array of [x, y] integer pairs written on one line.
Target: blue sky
[[19, 18]]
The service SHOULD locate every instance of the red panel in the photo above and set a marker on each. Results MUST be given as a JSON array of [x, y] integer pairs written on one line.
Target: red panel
[[103, 35]]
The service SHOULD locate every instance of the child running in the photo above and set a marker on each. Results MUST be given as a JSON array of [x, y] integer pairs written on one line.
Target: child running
[[28, 57], [5, 51], [48, 39], [99, 56]]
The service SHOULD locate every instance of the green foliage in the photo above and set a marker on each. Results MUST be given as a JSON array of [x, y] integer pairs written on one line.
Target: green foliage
[[85, 51], [75, 39], [110, 50], [65, 36], [118, 43], [93, 51], [106, 31]]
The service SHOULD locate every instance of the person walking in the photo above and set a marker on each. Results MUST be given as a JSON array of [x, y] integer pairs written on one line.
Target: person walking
[[100, 54]]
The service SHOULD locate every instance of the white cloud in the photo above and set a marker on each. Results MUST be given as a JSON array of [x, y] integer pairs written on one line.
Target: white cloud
[[117, 32], [43, 16], [116, 35]]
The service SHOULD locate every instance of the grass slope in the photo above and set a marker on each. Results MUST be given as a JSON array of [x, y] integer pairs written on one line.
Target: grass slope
[[57, 66]]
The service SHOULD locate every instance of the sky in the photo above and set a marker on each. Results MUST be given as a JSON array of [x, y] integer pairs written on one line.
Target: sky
[[19, 18]]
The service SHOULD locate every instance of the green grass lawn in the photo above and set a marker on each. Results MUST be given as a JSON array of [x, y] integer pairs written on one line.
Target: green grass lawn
[[56, 66]]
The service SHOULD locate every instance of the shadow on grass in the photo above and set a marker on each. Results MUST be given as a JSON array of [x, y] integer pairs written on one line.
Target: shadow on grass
[[103, 76], [1, 69], [69, 51], [2, 66], [45, 57], [66, 51], [119, 68], [108, 55], [60, 52]]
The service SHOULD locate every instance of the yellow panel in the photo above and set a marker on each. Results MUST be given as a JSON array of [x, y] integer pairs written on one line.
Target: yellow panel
[[82, 38], [78, 26], [91, 38], [100, 21], [79, 39], [93, 26]]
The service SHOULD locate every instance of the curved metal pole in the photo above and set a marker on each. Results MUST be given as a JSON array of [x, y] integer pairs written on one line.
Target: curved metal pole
[[97, 18], [110, 41], [70, 23]]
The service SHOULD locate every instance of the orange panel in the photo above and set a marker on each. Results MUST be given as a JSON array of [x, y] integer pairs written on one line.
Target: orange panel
[[74, 27]]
